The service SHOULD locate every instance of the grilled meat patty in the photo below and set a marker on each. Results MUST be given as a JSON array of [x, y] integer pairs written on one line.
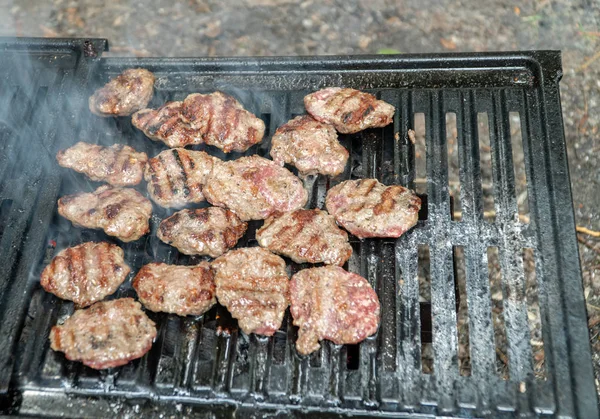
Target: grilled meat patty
[[349, 110], [183, 290], [254, 188], [253, 284], [367, 208], [127, 93], [119, 165], [306, 236], [85, 273], [106, 335], [331, 303], [120, 212], [207, 231], [176, 177], [216, 119], [310, 145]]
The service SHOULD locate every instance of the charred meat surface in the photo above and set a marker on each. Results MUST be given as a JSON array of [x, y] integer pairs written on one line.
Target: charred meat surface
[[207, 231], [176, 177], [310, 145], [182, 290], [121, 212], [331, 303], [367, 208], [349, 110], [253, 284], [216, 119], [85, 273], [108, 334], [119, 165], [127, 93], [254, 188], [306, 236]]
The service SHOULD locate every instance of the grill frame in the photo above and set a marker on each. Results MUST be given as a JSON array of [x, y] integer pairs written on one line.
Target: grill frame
[[435, 84]]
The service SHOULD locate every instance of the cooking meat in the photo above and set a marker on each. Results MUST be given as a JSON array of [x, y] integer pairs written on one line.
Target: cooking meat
[[254, 188], [176, 177], [367, 208], [120, 212], [306, 236], [331, 303], [253, 284], [119, 165], [216, 119], [85, 273], [349, 110], [207, 231], [183, 290], [167, 125], [106, 335], [223, 121], [310, 145], [130, 91]]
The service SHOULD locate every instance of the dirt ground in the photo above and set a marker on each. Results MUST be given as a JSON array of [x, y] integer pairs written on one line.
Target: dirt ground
[[286, 27]]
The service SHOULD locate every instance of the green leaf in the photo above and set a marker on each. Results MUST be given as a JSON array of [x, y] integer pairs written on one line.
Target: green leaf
[[388, 51]]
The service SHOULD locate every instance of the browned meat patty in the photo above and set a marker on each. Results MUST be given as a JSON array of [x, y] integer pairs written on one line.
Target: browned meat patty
[[310, 145], [367, 208], [119, 165], [306, 236], [183, 290], [85, 273], [106, 335], [254, 188], [349, 110], [331, 303], [120, 212], [216, 119], [176, 177], [167, 125], [127, 93], [223, 121], [253, 284], [207, 231]]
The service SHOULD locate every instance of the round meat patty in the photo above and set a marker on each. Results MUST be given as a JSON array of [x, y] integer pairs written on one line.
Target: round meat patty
[[85, 273], [367, 208], [106, 335], [254, 188], [331, 303], [183, 290], [306, 236], [310, 145], [253, 284], [127, 93], [207, 231]]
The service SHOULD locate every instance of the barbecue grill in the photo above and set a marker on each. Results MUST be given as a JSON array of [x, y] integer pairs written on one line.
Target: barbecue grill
[[205, 366]]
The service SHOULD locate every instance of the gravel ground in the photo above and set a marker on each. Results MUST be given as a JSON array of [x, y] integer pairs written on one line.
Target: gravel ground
[[286, 27]]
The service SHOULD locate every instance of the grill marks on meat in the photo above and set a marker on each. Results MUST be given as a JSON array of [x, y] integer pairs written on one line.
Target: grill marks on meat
[[254, 188], [310, 145], [216, 119], [85, 273], [176, 177], [348, 110], [127, 93], [208, 231], [120, 212], [119, 165], [183, 290], [106, 335], [253, 285], [331, 303], [306, 236], [367, 208]]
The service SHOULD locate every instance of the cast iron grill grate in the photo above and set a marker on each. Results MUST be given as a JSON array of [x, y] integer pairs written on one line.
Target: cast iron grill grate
[[205, 365]]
